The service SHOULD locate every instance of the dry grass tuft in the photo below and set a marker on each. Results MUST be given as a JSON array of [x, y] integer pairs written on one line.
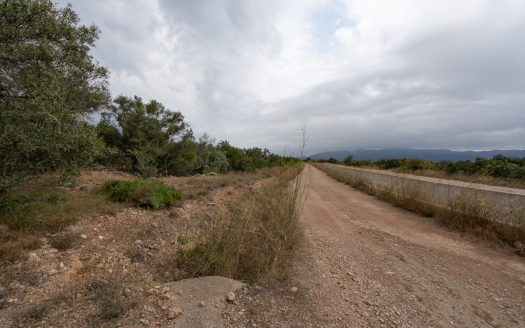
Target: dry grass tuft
[[14, 244], [254, 239], [111, 304], [64, 241]]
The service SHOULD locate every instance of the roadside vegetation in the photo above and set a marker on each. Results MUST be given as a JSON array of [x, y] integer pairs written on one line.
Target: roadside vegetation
[[499, 170], [464, 214], [42, 206], [253, 239], [142, 192], [58, 118]]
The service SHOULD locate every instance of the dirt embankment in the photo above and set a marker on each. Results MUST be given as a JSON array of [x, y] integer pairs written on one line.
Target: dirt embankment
[[113, 272], [365, 263]]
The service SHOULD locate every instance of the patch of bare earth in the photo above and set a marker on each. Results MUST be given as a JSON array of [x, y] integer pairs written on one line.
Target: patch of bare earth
[[109, 270], [365, 263]]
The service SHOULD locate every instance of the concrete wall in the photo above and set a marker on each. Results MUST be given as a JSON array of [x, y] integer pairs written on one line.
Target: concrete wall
[[504, 204]]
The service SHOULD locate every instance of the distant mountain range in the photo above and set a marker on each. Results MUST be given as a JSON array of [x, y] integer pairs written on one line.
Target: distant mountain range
[[434, 155]]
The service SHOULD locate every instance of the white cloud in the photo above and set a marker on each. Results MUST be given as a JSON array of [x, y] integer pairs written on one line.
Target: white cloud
[[357, 73]]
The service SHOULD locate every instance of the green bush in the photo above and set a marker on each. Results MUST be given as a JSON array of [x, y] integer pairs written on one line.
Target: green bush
[[143, 192]]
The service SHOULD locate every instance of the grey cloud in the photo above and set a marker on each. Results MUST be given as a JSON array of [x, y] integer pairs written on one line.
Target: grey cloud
[[451, 86]]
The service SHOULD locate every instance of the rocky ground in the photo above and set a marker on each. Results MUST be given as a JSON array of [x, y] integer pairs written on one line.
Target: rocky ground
[[116, 272], [365, 263], [359, 263]]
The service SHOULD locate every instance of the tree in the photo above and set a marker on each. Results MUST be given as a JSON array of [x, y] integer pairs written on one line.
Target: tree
[[349, 159], [47, 81], [179, 158], [143, 132], [237, 159], [209, 157]]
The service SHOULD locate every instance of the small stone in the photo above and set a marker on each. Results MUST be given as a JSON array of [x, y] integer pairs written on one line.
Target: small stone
[[144, 321], [201, 304], [33, 257], [173, 313], [127, 291], [294, 289], [62, 266], [101, 237], [83, 236], [230, 297]]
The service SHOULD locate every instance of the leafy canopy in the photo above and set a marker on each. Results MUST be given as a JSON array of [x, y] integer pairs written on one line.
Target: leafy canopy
[[47, 80], [142, 131]]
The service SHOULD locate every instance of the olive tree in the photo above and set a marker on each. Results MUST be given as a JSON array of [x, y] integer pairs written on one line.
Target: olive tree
[[48, 81], [143, 132]]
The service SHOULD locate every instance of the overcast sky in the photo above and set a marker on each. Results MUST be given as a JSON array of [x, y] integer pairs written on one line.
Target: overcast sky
[[357, 74]]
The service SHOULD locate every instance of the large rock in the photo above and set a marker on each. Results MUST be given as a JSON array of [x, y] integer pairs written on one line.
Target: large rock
[[202, 300]]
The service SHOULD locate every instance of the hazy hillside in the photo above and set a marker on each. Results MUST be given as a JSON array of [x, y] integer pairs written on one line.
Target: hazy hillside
[[426, 154]]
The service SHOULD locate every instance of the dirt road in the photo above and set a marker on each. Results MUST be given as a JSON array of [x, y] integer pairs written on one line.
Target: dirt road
[[365, 263]]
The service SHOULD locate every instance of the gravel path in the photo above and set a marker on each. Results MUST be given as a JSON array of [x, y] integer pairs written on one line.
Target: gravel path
[[365, 263]]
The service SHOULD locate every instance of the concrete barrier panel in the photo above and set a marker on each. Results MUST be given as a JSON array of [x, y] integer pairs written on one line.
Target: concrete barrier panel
[[504, 204]]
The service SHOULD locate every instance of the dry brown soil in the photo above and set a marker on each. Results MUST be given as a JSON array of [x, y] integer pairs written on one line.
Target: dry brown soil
[[365, 263], [117, 271]]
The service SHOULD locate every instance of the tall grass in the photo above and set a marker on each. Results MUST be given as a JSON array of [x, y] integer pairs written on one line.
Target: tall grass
[[463, 214], [254, 239]]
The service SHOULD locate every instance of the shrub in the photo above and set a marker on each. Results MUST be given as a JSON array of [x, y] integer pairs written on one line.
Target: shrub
[[45, 49], [143, 192], [110, 306], [349, 159], [64, 241]]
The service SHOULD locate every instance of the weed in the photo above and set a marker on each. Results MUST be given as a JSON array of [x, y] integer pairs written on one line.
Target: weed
[[137, 255], [255, 237], [64, 241], [34, 313], [143, 192], [13, 244], [111, 305], [182, 240]]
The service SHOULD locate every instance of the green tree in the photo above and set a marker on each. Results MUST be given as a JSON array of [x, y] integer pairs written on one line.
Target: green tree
[[349, 159], [48, 80], [142, 131], [237, 159], [180, 157], [209, 157]]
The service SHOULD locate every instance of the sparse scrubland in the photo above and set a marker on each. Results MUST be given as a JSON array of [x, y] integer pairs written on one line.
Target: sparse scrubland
[[96, 193], [106, 201], [49, 88], [102, 257], [464, 214]]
